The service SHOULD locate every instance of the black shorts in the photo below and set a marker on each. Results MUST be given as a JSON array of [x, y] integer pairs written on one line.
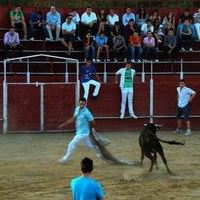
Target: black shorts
[[69, 38], [185, 111]]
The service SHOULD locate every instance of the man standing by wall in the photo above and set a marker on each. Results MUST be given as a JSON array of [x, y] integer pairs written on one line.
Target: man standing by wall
[[126, 85], [185, 95]]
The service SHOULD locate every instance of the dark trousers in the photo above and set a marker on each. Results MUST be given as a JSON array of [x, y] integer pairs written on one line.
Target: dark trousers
[[148, 50], [35, 26], [8, 47]]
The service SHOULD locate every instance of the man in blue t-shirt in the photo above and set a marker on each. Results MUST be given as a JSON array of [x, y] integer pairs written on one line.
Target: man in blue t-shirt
[[37, 21], [84, 187], [87, 72], [84, 122]]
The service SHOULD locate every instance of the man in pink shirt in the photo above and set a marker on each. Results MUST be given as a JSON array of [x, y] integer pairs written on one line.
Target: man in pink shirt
[[11, 42], [149, 46]]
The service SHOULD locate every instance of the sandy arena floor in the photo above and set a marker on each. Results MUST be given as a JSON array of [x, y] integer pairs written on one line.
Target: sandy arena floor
[[29, 169]]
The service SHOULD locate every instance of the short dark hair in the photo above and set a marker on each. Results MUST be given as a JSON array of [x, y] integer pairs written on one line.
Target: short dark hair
[[83, 99], [86, 165], [182, 80]]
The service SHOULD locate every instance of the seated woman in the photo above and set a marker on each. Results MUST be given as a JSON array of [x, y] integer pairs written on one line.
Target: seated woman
[[155, 15], [102, 21], [169, 21], [141, 17]]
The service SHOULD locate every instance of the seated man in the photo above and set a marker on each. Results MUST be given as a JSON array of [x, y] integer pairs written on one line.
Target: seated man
[[119, 45], [149, 46], [11, 42], [37, 21], [186, 32], [68, 31], [89, 22], [18, 20], [101, 44], [53, 22]]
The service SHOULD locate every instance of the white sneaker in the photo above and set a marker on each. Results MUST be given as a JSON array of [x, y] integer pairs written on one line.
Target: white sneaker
[[93, 60], [139, 60], [190, 49], [57, 39], [62, 160], [156, 60], [85, 60], [48, 39], [31, 39], [125, 60], [178, 131], [78, 38], [108, 60], [115, 60], [133, 116], [98, 60], [188, 132], [183, 49], [132, 60], [121, 116]]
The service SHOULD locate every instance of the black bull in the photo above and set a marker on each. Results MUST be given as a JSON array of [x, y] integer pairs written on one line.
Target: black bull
[[150, 145]]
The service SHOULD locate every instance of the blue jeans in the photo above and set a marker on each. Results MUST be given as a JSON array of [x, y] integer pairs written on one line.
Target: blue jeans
[[35, 26], [87, 50], [135, 52]]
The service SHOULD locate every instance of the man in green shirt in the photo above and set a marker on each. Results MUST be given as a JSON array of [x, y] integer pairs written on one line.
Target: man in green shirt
[[17, 19], [126, 85]]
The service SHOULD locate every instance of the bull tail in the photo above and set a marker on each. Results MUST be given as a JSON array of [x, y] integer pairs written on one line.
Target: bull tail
[[173, 142]]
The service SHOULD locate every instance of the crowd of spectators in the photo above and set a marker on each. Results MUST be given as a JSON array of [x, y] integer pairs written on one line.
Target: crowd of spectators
[[133, 36]]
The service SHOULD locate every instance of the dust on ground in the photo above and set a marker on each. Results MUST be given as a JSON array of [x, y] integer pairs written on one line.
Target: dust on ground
[[29, 169]]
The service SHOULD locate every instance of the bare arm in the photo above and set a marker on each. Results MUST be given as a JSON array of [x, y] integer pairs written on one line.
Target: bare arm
[[116, 79], [192, 97], [70, 121]]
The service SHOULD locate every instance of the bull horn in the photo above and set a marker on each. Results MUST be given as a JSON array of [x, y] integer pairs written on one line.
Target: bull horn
[[159, 125]]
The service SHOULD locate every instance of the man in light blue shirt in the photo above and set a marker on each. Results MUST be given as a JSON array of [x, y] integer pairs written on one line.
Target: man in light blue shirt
[[84, 187], [84, 122], [185, 95], [53, 21], [127, 16]]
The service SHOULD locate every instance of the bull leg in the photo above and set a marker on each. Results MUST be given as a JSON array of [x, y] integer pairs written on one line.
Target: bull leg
[[161, 153], [155, 159], [142, 157], [152, 161]]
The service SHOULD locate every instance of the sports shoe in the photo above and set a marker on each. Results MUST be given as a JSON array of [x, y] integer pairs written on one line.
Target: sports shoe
[[98, 60], [133, 116], [62, 160], [108, 60], [156, 60], [188, 132], [57, 39], [139, 60], [183, 49], [48, 39], [31, 39], [93, 60], [178, 131], [78, 38], [121, 116], [191, 49], [132, 60], [115, 60], [125, 60]]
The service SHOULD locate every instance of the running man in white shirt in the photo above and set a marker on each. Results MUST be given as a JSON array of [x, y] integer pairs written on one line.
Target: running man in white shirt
[[185, 96]]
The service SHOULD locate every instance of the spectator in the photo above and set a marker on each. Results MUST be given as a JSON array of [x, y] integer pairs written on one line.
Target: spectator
[[11, 42], [169, 21], [186, 32], [141, 17], [185, 96], [87, 72], [127, 16], [115, 30], [170, 45], [158, 31], [149, 46], [68, 32], [126, 84], [53, 22], [112, 18], [148, 26], [89, 22], [88, 47], [135, 47], [101, 44], [76, 20], [119, 45], [155, 15], [196, 18], [18, 20], [130, 28], [84, 122], [185, 15], [103, 26], [85, 188], [37, 21]]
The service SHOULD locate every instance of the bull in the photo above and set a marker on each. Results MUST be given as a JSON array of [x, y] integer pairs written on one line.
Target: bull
[[150, 145]]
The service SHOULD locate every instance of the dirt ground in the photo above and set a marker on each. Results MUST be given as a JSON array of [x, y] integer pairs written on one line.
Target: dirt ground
[[29, 169]]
